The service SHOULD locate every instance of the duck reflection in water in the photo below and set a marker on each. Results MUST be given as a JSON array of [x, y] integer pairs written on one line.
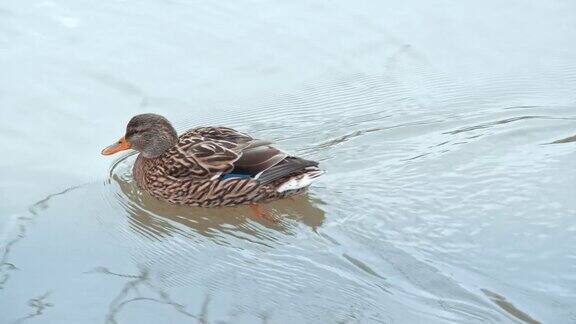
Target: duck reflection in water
[[157, 219]]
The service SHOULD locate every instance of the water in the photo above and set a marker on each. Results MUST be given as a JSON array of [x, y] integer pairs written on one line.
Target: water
[[447, 131]]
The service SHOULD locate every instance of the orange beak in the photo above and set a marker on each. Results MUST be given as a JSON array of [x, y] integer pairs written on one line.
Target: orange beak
[[121, 145]]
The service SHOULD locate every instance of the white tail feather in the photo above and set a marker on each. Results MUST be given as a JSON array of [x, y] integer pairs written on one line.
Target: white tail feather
[[300, 181]]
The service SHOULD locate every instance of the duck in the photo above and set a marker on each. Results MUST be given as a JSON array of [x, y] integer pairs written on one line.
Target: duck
[[211, 166]]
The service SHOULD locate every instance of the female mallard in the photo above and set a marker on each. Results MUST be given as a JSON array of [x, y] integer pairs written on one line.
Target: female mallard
[[210, 166]]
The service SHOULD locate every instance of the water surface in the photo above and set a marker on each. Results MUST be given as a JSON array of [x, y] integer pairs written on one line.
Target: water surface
[[447, 131]]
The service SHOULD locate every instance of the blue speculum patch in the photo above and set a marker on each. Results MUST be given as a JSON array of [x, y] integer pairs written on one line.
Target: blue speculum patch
[[235, 175]]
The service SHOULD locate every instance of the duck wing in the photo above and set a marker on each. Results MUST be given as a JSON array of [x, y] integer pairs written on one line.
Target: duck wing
[[204, 152], [257, 159], [288, 167], [209, 152], [198, 159], [255, 156], [212, 152]]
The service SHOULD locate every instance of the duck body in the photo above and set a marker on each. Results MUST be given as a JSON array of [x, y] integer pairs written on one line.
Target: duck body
[[219, 166]]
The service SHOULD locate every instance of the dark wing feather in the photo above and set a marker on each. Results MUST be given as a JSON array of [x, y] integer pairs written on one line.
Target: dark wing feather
[[285, 168], [257, 159]]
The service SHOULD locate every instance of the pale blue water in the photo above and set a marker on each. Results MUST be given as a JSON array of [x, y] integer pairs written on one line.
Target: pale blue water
[[447, 130]]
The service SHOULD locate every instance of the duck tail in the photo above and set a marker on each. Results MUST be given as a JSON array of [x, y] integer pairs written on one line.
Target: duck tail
[[288, 169], [301, 180]]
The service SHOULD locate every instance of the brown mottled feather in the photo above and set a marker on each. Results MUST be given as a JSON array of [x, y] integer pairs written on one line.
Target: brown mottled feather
[[191, 171]]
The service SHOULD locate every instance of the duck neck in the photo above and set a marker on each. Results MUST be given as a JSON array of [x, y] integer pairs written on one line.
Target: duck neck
[[140, 168]]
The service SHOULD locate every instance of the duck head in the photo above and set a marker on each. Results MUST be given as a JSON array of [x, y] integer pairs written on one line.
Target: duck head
[[149, 134]]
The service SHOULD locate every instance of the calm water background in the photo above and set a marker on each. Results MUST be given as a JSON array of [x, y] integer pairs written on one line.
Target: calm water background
[[444, 200]]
